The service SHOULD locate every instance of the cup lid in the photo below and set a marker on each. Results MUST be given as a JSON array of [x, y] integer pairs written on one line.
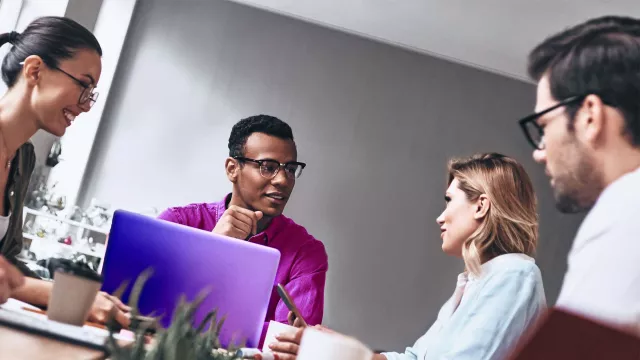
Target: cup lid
[[79, 269]]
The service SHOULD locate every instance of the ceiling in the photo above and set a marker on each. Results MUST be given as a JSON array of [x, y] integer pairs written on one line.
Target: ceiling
[[492, 35]]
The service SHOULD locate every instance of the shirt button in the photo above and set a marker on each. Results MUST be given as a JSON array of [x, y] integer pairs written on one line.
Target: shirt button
[[11, 193]]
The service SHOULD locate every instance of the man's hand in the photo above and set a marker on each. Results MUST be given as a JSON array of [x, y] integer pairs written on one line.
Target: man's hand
[[238, 223], [294, 321], [286, 348], [10, 279], [102, 307], [324, 329]]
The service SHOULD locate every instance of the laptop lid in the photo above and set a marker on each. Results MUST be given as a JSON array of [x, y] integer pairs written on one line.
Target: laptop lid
[[240, 275]]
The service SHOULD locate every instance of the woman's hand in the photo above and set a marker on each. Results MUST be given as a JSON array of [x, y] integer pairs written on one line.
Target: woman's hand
[[102, 307], [287, 345], [10, 279]]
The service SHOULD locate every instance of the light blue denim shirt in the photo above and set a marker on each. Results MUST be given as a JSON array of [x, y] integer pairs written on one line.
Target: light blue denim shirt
[[495, 309]]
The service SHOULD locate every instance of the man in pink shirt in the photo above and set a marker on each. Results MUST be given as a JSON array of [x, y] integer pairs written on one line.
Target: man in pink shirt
[[262, 167]]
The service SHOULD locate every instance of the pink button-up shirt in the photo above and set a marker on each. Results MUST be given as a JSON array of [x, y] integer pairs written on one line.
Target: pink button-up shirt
[[303, 259]]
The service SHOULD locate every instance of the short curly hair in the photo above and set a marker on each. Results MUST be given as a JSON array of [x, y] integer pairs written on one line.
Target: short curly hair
[[265, 124]]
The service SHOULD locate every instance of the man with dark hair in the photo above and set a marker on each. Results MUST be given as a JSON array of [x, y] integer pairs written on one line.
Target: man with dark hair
[[586, 131], [262, 167]]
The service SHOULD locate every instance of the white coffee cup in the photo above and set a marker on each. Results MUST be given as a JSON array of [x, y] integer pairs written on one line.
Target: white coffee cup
[[275, 328], [72, 297], [321, 345]]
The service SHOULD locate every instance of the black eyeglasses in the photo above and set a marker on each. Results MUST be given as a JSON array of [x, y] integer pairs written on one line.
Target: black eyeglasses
[[533, 131], [270, 168], [88, 94]]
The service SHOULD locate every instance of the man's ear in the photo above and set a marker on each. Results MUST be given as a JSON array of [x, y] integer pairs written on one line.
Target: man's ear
[[31, 68], [590, 120], [483, 204], [232, 167]]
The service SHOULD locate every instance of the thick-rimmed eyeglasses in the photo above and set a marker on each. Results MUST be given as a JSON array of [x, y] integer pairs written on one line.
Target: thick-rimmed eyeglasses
[[270, 168], [533, 131]]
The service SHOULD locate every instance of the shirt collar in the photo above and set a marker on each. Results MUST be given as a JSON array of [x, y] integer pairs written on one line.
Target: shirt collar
[[462, 279], [492, 264], [264, 237]]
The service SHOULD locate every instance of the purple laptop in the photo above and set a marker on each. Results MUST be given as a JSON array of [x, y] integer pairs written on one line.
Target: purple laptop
[[239, 274]]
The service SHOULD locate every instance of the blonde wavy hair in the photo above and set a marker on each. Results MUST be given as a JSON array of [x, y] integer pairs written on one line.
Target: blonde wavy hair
[[511, 223]]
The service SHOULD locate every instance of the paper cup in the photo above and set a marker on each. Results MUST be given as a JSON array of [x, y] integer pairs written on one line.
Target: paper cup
[[71, 298], [320, 345], [274, 329]]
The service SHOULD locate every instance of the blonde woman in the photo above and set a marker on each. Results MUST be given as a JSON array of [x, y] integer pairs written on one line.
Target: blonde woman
[[490, 222]]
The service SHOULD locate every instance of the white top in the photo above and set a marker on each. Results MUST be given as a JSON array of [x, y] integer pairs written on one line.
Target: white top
[[4, 226], [486, 315], [603, 275]]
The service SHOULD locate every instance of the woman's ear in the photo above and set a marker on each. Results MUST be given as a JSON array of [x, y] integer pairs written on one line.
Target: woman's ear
[[482, 207], [31, 68], [232, 167]]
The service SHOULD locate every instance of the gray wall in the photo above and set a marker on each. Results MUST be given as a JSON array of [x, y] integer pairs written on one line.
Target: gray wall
[[376, 125], [84, 12]]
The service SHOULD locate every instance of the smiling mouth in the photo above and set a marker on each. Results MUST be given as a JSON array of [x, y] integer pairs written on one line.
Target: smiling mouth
[[69, 116], [279, 197]]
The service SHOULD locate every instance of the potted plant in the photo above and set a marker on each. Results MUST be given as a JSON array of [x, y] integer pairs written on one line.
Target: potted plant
[[181, 340]]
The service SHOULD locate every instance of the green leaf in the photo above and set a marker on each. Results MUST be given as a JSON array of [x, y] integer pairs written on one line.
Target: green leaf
[[136, 291], [179, 341], [121, 289], [210, 316]]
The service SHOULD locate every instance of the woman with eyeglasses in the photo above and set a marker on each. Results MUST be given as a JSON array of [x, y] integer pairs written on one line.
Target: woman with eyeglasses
[[51, 71], [490, 222]]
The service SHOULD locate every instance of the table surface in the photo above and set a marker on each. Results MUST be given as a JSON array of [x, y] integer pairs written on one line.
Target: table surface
[[19, 345]]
